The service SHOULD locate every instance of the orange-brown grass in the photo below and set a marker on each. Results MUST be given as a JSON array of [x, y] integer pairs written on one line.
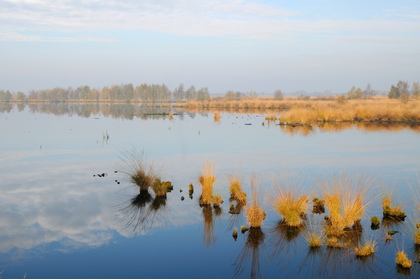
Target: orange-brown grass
[[344, 198], [354, 110], [271, 117], [315, 237], [160, 188], [291, 207], [365, 250], [403, 260], [236, 191], [389, 210], [207, 180], [255, 215]]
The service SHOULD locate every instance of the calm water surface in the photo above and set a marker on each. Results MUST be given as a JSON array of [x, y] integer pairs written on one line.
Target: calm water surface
[[60, 220]]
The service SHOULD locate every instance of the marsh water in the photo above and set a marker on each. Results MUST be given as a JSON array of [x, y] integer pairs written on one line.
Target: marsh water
[[68, 211]]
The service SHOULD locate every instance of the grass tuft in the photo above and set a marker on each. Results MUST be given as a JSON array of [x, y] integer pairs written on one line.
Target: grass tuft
[[255, 215], [140, 172], [392, 211], [402, 260], [236, 191], [207, 180], [344, 197], [365, 250]]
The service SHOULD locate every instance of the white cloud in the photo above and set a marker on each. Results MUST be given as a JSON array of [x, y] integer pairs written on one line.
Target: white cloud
[[245, 19]]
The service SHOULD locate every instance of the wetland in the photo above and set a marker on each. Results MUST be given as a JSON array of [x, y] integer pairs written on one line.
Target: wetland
[[70, 208]]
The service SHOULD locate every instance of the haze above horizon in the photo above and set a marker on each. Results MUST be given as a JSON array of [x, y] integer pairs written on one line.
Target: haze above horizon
[[222, 45]]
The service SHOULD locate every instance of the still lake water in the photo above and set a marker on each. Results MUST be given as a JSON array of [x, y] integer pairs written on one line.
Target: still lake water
[[60, 220]]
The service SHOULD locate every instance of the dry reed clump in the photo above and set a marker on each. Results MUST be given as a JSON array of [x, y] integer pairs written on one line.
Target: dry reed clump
[[207, 180], [344, 200], [392, 211], [236, 191], [315, 239], [402, 260], [417, 237], [255, 215], [140, 172], [365, 250], [161, 188], [291, 207]]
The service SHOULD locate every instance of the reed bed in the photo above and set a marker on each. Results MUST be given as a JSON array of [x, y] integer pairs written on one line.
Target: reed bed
[[378, 110]]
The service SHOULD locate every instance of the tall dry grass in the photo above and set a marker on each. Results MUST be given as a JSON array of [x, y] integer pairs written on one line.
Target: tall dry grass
[[255, 215], [139, 170], [236, 191], [371, 110], [291, 207], [207, 180], [345, 198]]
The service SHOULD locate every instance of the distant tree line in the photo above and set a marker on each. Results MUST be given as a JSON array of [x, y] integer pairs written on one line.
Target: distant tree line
[[398, 91], [123, 92], [402, 91]]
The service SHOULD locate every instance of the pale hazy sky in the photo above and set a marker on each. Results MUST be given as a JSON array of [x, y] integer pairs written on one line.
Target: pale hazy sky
[[223, 45]]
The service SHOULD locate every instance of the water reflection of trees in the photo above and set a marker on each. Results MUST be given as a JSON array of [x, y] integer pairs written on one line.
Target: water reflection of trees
[[164, 111], [115, 110]]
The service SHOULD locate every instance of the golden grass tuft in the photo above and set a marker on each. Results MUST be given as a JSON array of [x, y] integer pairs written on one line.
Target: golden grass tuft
[[236, 191], [417, 237], [160, 188], [344, 199], [207, 180], [391, 211], [402, 260], [315, 239], [365, 250], [291, 207], [255, 215]]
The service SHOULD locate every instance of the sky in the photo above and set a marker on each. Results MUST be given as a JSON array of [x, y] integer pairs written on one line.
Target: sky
[[312, 46]]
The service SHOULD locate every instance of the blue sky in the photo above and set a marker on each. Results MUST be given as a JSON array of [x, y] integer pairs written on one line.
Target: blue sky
[[223, 45]]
